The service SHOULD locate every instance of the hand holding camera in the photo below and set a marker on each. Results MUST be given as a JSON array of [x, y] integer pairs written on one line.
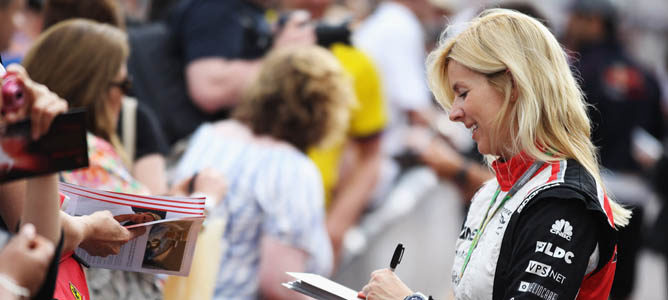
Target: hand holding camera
[[22, 97], [325, 34], [295, 29], [12, 94]]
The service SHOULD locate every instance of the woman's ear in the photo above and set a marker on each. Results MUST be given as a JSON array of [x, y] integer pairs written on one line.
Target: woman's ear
[[514, 92]]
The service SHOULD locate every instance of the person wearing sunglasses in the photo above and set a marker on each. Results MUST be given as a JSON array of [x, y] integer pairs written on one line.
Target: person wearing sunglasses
[[84, 62]]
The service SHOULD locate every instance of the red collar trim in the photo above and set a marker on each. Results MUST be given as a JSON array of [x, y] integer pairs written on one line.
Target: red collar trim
[[507, 172]]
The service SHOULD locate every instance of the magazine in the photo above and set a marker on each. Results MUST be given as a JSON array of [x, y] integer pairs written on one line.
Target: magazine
[[63, 147], [172, 225]]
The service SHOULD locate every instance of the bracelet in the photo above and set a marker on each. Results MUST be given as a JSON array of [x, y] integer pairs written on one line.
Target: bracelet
[[11, 286]]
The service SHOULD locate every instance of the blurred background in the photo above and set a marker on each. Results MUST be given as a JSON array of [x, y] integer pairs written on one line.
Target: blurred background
[[619, 52]]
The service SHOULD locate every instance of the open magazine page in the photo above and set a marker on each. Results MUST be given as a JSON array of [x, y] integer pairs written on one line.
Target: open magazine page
[[172, 225]]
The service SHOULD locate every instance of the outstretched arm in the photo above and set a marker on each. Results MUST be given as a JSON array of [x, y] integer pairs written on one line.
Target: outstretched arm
[[354, 190], [272, 270], [41, 203]]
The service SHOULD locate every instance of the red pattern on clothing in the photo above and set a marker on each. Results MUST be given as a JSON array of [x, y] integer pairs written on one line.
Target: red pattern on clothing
[[596, 286]]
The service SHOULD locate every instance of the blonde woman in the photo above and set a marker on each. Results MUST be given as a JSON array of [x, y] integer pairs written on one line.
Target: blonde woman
[[275, 200], [544, 227]]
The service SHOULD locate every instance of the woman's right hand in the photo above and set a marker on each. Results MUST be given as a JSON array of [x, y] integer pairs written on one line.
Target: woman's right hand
[[26, 258], [385, 285], [42, 105]]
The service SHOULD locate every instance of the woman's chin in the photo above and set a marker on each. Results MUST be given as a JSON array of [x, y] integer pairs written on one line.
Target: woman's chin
[[483, 149]]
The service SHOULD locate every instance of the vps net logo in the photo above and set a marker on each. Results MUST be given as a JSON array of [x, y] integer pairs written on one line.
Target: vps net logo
[[563, 229]]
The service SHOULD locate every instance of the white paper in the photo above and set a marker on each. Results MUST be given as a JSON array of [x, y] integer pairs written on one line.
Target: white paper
[[318, 287]]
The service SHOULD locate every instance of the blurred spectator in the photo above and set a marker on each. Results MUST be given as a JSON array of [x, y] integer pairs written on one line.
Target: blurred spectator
[[136, 11], [139, 129], [84, 62], [103, 11], [34, 200], [349, 182], [29, 25], [221, 44], [394, 38], [29, 261], [38, 198], [159, 9], [275, 202], [657, 239], [81, 53], [626, 101], [24, 263]]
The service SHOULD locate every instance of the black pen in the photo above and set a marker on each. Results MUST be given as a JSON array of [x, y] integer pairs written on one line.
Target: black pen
[[396, 257]]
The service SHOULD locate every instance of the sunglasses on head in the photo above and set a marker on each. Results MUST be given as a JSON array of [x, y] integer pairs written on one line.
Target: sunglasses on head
[[125, 85]]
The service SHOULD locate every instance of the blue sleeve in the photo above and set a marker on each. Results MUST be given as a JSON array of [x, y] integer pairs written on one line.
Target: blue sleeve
[[211, 28]]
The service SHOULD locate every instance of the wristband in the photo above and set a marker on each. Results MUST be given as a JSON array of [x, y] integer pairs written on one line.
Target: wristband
[[11, 286], [417, 296]]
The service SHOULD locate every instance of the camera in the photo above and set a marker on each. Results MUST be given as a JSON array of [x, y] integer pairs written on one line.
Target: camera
[[329, 34], [12, 94], [326, 34]]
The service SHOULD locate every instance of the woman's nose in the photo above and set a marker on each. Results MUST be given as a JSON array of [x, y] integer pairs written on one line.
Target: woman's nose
[[456, 112]]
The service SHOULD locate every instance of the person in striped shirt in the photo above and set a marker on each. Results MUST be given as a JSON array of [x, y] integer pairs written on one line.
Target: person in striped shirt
[[275, 200]]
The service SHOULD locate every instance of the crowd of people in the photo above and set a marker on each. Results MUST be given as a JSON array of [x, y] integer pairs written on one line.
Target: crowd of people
[[297, 118]]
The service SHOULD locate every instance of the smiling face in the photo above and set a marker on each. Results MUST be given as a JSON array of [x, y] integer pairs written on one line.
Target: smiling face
[[476, 105]]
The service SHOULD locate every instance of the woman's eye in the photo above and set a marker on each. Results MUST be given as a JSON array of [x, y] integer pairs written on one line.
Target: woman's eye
[[463, 95]]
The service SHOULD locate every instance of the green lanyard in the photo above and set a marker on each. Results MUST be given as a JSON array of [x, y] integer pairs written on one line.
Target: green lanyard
[[518, 185]]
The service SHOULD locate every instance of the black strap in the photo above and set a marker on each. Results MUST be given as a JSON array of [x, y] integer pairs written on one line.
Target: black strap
[[80, 260]]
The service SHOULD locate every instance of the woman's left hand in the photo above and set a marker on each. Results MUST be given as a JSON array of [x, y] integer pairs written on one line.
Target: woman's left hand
[[103, 235], [385, 285]]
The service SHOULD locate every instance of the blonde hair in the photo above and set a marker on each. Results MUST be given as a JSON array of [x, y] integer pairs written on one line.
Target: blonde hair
[[78, 59], [302, 95], [520, 56]]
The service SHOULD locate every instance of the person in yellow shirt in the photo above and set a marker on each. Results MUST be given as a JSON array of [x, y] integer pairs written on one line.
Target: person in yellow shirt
[[349, 184]]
